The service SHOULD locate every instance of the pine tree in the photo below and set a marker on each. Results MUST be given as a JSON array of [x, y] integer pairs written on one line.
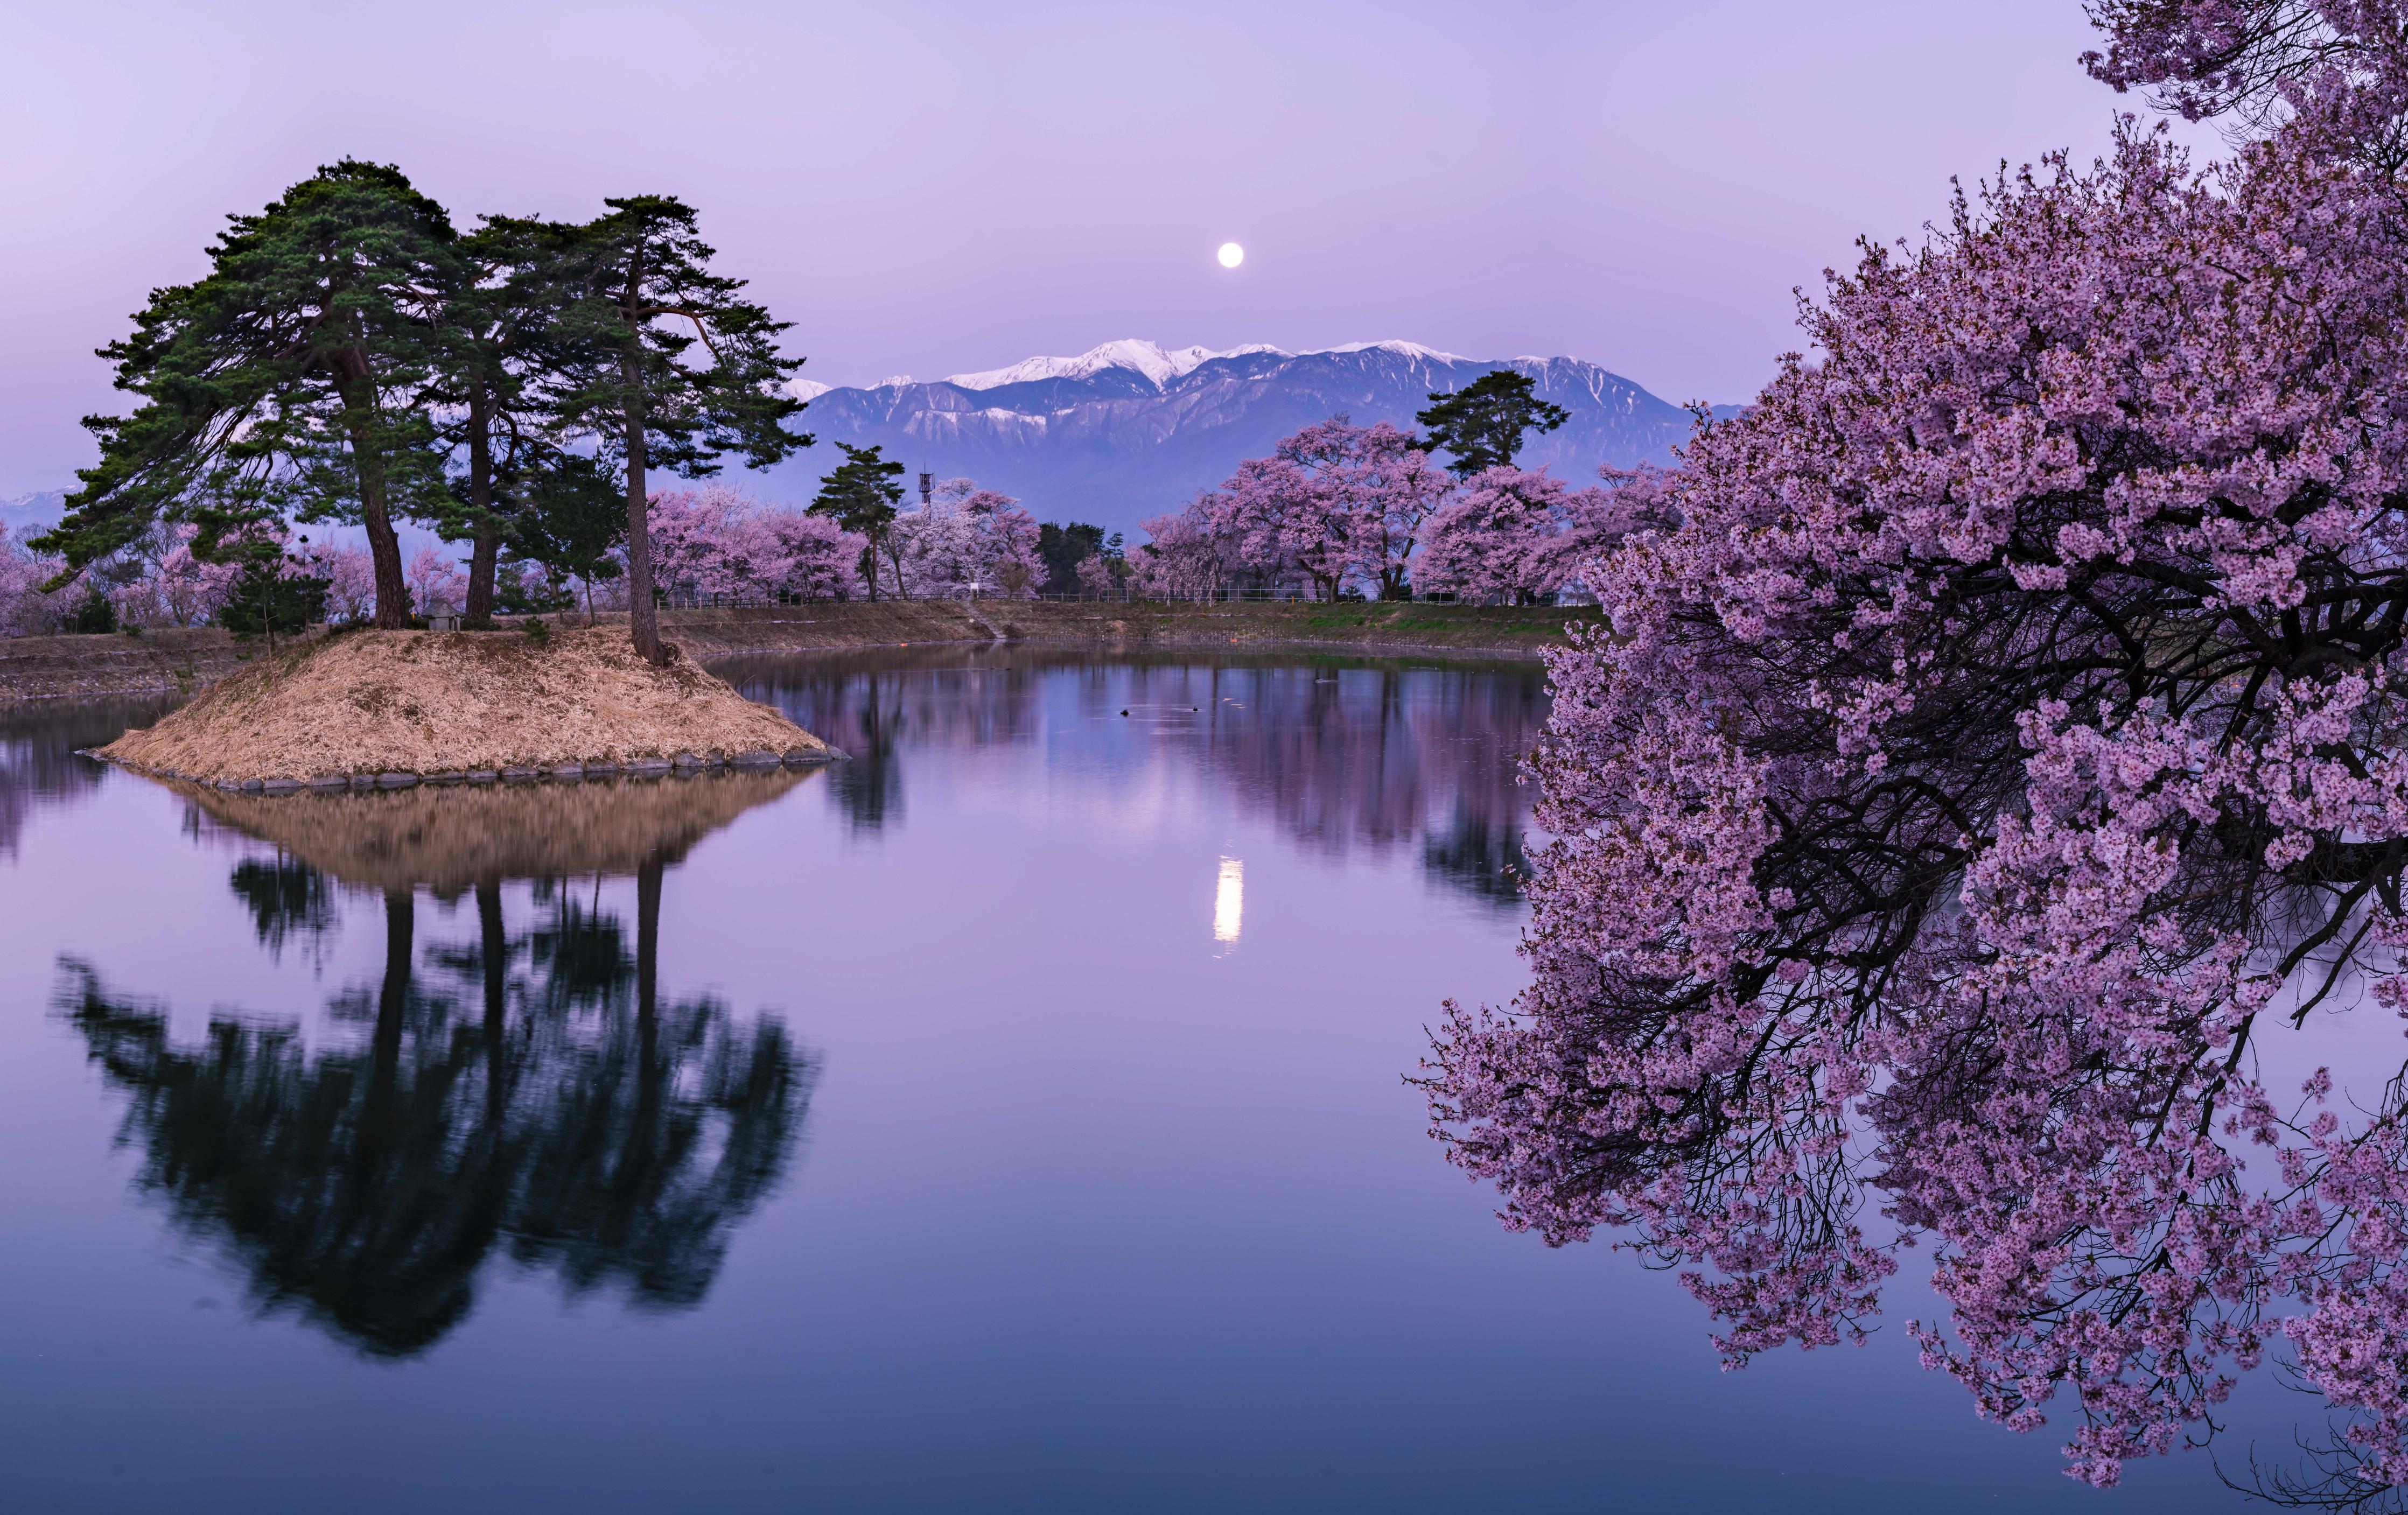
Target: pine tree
[[498, 341], [639, 294], [570, 518], [862, 495], [1482, 424], [291, 379]]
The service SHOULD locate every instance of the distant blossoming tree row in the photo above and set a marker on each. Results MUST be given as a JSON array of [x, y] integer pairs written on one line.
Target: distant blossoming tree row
[[966, 540], [1339, 509], [1997, 744], [159, 580]]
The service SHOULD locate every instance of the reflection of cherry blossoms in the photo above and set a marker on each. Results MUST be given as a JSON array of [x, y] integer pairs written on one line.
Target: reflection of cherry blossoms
[[1357, 761], [2000, 748]]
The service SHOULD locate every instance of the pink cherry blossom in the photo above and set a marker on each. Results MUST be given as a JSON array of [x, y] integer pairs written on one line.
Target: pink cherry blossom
[[433, 577], [1523, 537], [717, 540], [1993, 745]]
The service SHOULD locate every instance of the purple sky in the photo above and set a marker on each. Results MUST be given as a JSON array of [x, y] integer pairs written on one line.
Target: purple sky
[[929, 188]]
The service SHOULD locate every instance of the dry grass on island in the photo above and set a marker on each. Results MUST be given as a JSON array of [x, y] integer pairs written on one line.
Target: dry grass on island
[[359, 706]]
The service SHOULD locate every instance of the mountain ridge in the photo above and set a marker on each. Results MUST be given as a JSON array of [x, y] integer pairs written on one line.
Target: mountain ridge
[[1130, 429]]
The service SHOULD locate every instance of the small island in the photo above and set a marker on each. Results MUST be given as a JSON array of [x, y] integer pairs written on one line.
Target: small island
[[391, 710]]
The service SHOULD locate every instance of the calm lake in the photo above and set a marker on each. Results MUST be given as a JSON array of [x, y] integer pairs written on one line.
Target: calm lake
[[1013, 1118]]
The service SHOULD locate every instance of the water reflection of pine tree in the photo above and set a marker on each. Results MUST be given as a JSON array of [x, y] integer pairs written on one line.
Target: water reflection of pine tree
[[289, 900], [597, 1131]]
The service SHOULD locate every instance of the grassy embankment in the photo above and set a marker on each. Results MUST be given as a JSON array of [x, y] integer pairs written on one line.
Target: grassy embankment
[[184, 661]]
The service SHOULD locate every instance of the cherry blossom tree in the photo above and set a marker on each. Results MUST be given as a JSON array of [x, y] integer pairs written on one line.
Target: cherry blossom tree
[[1394, 488], [1294, 512], [717, 540], [966, 540], [171, 587], [25, 611], [349, 574], [815, 559], [1095, 576], [432, 577], [1998, 747], [1335, 505], [1193, 550], [702, 541], [1017, 567], [1526, 538], [2330, 72]]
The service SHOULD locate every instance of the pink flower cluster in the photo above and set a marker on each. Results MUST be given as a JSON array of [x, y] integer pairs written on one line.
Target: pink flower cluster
[[1523, 538], [1339, 507], [433, 577], [24, 609], [1996, 742], [715, 540], [156, 582], [966, 540]]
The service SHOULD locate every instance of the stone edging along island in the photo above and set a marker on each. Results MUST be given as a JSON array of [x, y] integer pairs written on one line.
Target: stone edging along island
[[684, 764]]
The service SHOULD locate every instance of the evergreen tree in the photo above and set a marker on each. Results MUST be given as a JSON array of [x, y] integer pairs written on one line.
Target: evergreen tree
[[269, 600], [861, 495], [1482, 424], [1063, 548], [499, 338], [291, 379], [639, 295], [570, 519]]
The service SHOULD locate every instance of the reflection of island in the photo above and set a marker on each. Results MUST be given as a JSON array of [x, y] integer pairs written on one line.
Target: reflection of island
[[1356, 757], [449, 839], [528, 1096]]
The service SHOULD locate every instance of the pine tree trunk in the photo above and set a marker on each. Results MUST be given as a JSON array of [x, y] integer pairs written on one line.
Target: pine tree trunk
[[385, 544], [643, 621], [483, 557], [478, 613], [384, 550]]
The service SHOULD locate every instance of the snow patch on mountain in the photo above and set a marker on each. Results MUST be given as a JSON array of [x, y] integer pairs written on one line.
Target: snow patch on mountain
[[1148, 358], [30, 515], [1401, 349], [1161, 366]]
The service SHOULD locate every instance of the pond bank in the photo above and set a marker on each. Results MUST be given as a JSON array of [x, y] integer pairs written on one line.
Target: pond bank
[[184, 661]]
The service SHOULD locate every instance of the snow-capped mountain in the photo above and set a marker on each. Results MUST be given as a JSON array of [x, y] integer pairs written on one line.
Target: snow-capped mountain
[[1130, 429], [30, 515]]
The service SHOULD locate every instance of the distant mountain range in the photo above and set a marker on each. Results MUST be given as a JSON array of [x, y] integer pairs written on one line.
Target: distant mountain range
[[1130, 429], [28, 515]]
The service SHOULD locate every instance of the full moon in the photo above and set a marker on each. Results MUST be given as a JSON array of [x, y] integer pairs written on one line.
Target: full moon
[[1231, 255]]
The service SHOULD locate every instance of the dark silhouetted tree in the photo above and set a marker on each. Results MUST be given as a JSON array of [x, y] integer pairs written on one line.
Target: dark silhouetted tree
[[291, 379], [1482, 424], [640, 297]]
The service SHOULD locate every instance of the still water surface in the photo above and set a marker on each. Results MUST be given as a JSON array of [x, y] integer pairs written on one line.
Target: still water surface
[[1011, 1119]]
